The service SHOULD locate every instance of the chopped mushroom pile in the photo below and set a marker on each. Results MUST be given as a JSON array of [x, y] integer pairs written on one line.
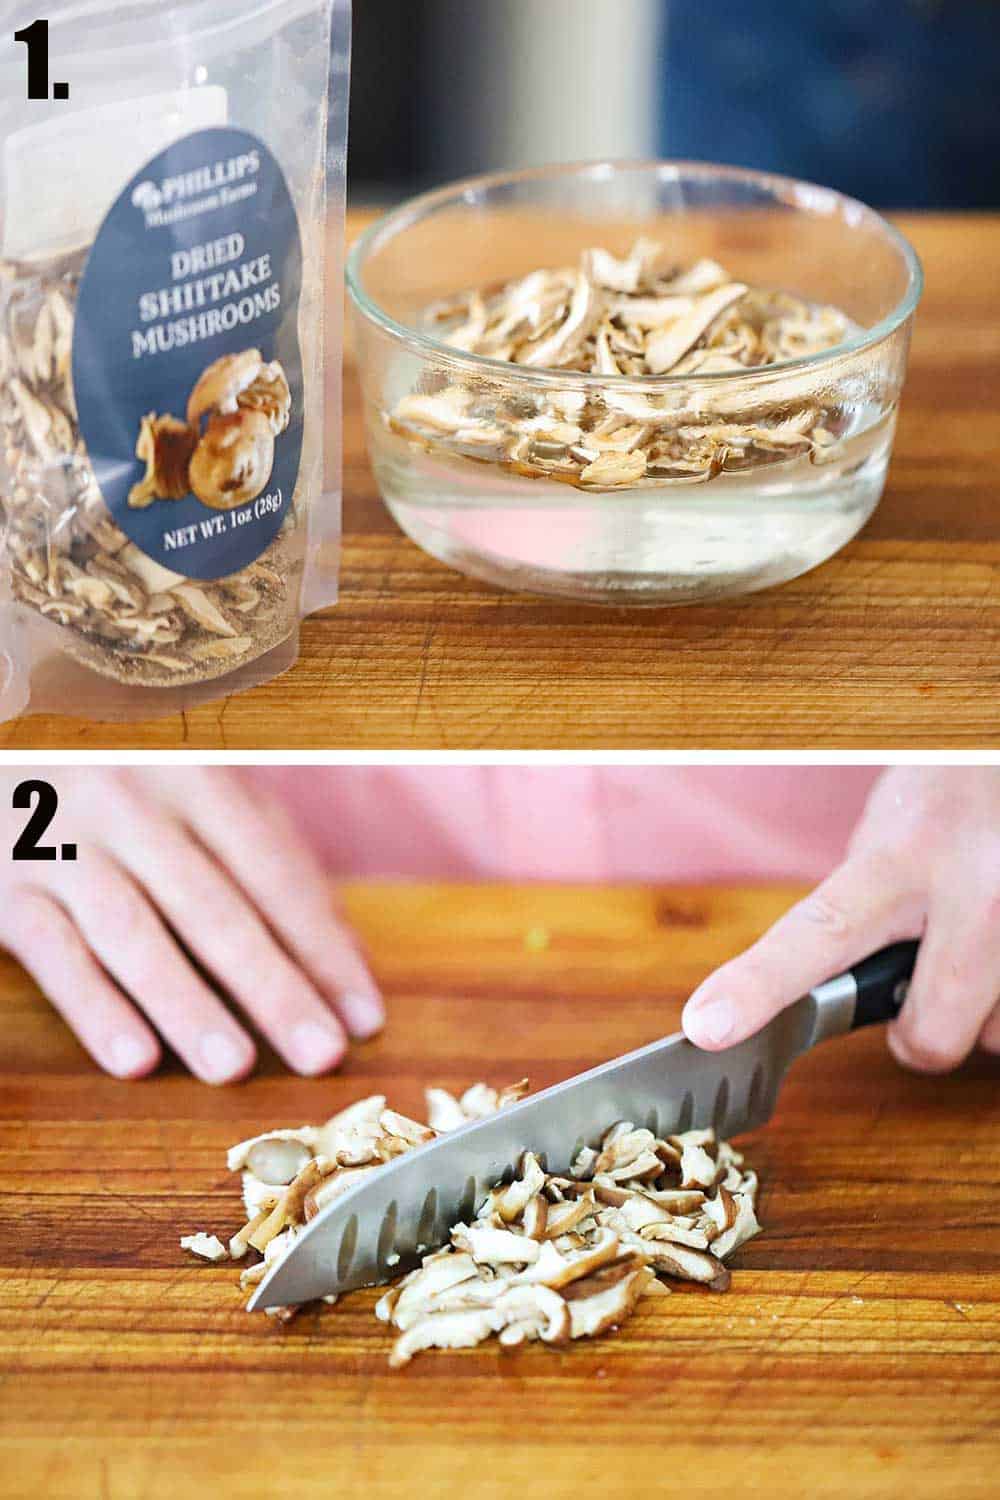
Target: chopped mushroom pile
[[547, 1257], [640, 317]]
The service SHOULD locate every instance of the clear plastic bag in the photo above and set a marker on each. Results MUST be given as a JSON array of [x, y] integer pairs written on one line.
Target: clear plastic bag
[[170, 345]]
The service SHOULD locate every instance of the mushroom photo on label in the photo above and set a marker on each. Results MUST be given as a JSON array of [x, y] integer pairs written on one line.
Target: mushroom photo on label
[[248, 405], [233, 461]]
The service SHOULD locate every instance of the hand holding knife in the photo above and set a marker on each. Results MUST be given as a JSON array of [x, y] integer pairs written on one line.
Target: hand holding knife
[[370, 1232]]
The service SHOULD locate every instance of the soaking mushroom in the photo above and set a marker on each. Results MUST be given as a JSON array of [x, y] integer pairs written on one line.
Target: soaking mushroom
[[635, 317]]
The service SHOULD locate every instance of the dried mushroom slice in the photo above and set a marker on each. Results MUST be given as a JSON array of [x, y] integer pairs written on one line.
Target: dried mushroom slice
[[561, 347], [691, 1265], [205, 1246], [491, 1246], [239, 1156], [668, 344], [447, 1330], [558, 1268], [563, 1218], [743, 1227], [446, 1112], [407, 1132], [607, 1307], [537, 1312], [614, 471], [535, 1218], [439, 1274], [331, 1187], [634, 317], [446, 412], [342, 1127], [277, 1162], [511, 1202]]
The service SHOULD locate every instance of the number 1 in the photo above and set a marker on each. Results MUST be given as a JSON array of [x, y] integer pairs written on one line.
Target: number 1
[[36, 39]]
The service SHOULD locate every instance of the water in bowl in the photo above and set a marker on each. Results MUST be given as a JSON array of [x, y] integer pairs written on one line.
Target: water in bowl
[[678, 544]]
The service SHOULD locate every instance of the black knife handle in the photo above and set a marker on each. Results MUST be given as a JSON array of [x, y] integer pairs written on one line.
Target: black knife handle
[[882, 982]]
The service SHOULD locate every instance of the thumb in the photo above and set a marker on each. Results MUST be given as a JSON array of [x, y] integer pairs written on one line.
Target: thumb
[[864, 905]]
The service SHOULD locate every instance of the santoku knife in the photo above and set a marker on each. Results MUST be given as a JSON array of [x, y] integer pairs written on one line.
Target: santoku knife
[[373, 1232]]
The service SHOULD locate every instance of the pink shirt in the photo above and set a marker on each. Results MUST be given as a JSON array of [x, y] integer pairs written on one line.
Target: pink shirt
[[587, 823]]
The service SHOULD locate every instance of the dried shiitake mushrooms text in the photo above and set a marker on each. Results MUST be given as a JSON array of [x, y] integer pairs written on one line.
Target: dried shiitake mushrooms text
[[640, 317], [547, 1257], [123, 613]]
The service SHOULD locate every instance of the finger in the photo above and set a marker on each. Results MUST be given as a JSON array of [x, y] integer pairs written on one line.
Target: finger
[[954, 988], [865, 904], [216, 922], [123, 930], [258, 844], [989, 1037], [44, 939]]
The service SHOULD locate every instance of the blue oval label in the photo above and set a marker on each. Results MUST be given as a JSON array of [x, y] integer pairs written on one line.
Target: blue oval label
[[187, 370]]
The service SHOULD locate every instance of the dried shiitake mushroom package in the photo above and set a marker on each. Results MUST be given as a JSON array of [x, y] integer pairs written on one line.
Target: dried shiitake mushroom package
[[169, 351]]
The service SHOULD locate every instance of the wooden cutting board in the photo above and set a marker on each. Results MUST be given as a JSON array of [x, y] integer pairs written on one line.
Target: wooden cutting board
[[857, 1354], [895, 642]]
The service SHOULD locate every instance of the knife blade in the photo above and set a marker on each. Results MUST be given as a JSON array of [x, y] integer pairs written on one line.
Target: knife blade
[[378, 1229]]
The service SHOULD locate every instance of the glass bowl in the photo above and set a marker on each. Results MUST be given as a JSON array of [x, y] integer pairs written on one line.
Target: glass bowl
[[670, 541]]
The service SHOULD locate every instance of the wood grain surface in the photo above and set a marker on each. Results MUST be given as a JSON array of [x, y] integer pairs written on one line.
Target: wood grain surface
[[858, 1353], [894, 643]]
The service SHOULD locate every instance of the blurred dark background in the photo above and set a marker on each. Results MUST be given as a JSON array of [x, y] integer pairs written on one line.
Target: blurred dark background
[[894, 101]]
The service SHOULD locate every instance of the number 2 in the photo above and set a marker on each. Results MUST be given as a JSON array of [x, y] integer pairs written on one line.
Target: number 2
[[46, 806]]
